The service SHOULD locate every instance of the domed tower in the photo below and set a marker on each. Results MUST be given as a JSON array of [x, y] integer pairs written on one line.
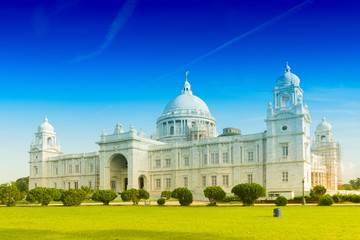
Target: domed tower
[[288, 136], [327, 152], [45, 146], [186, 117]]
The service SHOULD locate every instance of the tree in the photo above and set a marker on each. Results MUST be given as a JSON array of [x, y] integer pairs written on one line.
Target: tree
[[355, 183], [249, 192], [166, 194], [104, 196], [347, 187], [9, 194], [317, 192], [184, 195], [23, 184], [214, 193], [134, 195], [73, 197]]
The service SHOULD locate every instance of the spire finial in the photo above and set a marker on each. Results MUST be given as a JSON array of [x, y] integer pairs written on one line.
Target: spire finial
[[323, 118], [186, 74], [46, 119], [287, 67]]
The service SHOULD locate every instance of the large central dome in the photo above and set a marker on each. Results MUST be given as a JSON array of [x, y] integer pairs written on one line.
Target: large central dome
[[186, 102], [185, 117]]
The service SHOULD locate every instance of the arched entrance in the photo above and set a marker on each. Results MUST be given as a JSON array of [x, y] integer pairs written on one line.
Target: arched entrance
[[118, 173], [142, 182]]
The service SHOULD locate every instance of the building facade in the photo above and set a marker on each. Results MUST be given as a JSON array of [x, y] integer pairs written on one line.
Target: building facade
[[186, 151]]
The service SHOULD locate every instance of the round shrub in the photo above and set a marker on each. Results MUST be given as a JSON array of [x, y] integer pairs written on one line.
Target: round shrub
[[249, 192], [104, 196], [73, 197], [214, 193], [337, 198], [184, 195], [281, 201], [166, 194], [326, 200], [317, 192], [143, 194], [161, 201], [355, 198], [134, 195], [9, 195]]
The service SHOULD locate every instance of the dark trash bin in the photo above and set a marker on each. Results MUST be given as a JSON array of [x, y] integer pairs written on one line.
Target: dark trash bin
[[277, 212]]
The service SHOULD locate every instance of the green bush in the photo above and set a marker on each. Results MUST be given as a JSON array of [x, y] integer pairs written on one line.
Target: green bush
[[337, 198], [231, 198], [184, 195], [249, 192], [326, 200], [89, 192], [134, 195], [43, 195], [9, 195], [55, 193], [317, 192], [355, 198], [166, 194], [214, 194], [104, 196], [73, 197], [281, 201], [161, 201]]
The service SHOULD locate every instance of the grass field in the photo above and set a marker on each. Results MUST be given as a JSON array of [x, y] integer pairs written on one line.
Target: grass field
[[174, 222]]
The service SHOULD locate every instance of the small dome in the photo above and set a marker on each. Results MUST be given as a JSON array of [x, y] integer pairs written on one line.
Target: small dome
[[287, 78], [324, 126], [186, 102], [46, 127]]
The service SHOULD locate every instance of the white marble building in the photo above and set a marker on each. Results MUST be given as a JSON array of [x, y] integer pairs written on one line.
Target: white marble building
[[186, 151]]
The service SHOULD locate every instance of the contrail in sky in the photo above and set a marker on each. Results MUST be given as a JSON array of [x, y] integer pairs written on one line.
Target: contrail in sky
[[120, 20], [240, 37]]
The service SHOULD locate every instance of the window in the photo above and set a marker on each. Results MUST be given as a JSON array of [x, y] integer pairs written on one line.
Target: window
[[285, 150], [285, 176], [77, 168], [70, 168], [323, 139], [226, 180], [186, 161], [69, 186], [250, 156], [205, 159], [214, 158], [250, 178], [113, 186], [76, 185], [158, 183], [91, 168], [168, 162], [186, 182], [89, 183], [226, 157], [55, 185], [57, 171], [36, 185], [36, 170], [157, 163], [168, 183], [171, 130], [204, 181], [213, 181]]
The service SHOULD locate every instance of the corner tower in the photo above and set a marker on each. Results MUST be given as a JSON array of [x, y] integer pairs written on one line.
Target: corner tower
[[45, 146], [288, 137]]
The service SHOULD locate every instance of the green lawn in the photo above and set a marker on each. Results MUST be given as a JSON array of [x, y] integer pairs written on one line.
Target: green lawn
[[174, 222]]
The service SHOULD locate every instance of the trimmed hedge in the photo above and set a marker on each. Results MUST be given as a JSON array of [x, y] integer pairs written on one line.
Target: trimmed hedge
[[184, 195], [73, 197], [326, 200], [281, 201], [104, 196], [161, 201]]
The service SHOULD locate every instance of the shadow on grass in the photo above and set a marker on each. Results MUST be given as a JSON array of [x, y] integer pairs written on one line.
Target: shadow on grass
[[103, 234]]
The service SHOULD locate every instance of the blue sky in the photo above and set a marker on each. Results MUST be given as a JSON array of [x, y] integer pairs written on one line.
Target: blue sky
[[90, 64]]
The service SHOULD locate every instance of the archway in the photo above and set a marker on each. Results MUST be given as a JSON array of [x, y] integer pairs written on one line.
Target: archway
[[142, 182], [118, 173]]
